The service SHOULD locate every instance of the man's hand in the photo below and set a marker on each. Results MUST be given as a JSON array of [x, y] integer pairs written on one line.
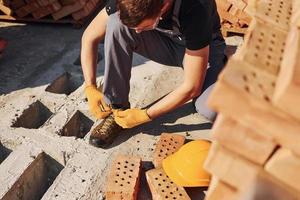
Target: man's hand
[[97, 106], [131, 117]]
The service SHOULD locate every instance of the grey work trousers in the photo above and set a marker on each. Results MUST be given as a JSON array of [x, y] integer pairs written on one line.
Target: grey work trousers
[[121, 42]]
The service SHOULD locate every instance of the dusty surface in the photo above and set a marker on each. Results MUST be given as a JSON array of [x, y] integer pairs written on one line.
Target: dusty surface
[[43, 110]]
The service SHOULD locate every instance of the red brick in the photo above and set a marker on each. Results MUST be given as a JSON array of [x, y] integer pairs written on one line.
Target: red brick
[[42, 12], [86, 10], [15, 4], [167, 145], [27, 9], [123, 179], [67, 2], [162, 188], [69, 9]]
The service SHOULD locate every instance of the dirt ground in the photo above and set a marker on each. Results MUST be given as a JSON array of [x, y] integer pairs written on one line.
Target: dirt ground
[[37, 54]]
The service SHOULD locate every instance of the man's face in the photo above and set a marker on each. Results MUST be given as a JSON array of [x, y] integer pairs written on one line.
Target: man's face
[[147, 24]]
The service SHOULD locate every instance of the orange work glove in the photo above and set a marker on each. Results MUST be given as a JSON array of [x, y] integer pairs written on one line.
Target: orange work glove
[[131, 117], [97, 106]]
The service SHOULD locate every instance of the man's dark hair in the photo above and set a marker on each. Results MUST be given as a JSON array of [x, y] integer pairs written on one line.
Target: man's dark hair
[[133, 12]]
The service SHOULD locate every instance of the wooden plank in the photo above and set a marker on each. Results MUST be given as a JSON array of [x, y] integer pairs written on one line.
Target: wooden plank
[[242, 140], [220, 190], [123, 179], [285, 166], [230, 167], [286, 95], [253, 112], [167, 145], [266, 187], [163, 188]]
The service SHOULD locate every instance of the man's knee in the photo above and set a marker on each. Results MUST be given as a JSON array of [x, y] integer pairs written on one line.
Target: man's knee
[[201, 105]]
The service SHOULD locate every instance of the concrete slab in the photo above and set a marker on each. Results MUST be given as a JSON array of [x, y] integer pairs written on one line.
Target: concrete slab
[[42, 56]]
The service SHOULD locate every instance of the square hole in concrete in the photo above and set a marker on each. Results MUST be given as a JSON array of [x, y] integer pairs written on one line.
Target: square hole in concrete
[[34, 116], [36, 179], [4, 152], [79, 125], [64, 84]]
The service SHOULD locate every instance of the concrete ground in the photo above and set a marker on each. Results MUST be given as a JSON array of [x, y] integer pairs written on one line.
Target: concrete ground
[[45, 123]]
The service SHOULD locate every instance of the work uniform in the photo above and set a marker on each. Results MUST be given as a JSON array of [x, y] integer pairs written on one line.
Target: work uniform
[[191, 24]]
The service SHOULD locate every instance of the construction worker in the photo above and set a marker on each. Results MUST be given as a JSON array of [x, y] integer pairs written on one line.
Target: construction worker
[[171, 32]]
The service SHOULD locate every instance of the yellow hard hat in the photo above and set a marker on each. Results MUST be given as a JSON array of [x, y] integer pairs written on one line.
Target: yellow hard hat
[[185, 167]]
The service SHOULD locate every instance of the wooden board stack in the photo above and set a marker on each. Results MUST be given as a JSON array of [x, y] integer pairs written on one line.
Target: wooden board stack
[[235, 16], [256, 135], [56, 11]]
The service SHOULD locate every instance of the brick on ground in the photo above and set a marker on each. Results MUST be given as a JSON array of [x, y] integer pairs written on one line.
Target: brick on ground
[[162, 188], [167, 145], [123, 179]]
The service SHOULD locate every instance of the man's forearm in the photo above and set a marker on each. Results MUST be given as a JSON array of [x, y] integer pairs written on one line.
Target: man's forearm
[[195, 65], [92, 36], [170, 102], [89, 52]]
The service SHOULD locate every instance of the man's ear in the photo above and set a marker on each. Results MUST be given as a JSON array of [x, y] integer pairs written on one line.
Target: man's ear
[[166, 6]]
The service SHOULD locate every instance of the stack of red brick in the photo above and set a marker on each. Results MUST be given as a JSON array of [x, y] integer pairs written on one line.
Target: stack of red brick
[[235, 15], [56, 9], [256, 152]]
